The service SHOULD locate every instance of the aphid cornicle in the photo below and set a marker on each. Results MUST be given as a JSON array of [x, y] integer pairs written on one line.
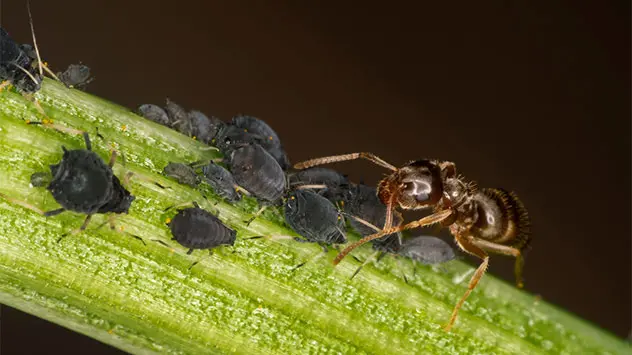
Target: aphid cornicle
[[481, 221], [314, 217], [196, 228]]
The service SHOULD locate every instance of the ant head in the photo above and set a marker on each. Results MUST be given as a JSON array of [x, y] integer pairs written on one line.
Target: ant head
[[416, 185]]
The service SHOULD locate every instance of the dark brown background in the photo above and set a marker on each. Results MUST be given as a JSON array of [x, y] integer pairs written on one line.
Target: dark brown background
[[529, 97]]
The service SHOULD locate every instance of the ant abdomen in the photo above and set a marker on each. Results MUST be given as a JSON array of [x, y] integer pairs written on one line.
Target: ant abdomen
[[500, 218]]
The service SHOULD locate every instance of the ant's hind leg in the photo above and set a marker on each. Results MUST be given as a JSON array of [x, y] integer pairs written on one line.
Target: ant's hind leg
[[505, 250]]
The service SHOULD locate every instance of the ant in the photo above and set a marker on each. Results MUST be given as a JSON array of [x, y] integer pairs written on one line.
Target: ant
[[481, 220]]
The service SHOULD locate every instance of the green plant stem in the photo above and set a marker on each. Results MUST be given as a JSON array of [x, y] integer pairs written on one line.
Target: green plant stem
[[243, 299]]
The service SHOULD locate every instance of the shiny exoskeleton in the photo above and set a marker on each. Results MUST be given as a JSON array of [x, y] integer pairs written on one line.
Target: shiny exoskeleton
[[196, 228], [314, 217], [481, 221]]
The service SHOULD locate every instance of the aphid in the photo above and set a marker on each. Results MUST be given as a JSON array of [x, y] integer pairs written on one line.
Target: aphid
[[16, 66], [76, 76], [427, 250], [361, 201], [256, 170], [179, 118], [203, 127], [314, 217], [336, 183], [481, 221], [269, 139], [82, 182], [196, 228], [222, 182], [182, 173], [229, 138], [154, 113]]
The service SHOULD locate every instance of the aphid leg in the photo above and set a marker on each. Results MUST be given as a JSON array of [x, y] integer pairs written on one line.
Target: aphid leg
[[79, 230], [247, 222], [49, 124], [112, 158], [368, 260], [137, 237], [312, 259], [54, 212], [433, 218], [210, 252], [242, 190], [467, 246], [312, 187], [190, 251], [344, 157], [24, 204], [505, 250]]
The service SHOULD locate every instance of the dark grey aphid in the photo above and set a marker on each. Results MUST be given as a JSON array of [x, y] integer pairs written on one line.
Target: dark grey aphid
[[427, 250], [362, 201], [76, 76], [17, 64], [203, 127], [270, 140], [231, 137], [179, 118], [195, 228], [314, 217], [222, 181], [84, 183], [154, 113], [182, 173], [255, 170], [336, 183]]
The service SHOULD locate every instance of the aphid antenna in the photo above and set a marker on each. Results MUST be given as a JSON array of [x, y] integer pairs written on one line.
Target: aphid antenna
[[23, 204], [311, 186], [242, 190], [57, 127]]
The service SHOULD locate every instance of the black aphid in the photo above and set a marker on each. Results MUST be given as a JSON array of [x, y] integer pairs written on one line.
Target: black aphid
[[154, 113], [84, 183], [182, 173], [17, 66], [76, 76], [222, 181], [314, 217], [179, 118], [230, 137], [255, 170], [203, 127], [362, 201], [269, 139], [196, 228], [336, 183], [427, 250]]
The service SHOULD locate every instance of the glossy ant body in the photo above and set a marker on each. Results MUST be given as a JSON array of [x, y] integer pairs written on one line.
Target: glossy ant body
[[481, 220]]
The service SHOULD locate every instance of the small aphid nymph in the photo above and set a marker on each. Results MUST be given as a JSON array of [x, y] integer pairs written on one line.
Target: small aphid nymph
[[196, 228]]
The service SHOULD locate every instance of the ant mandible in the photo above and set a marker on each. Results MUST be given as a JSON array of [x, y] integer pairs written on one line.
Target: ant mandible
[[481, 220]]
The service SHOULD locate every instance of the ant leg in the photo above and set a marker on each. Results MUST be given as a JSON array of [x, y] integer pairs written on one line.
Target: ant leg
[[344, 157], [470, 248], [432, 219], [24, 204], [505, 250]]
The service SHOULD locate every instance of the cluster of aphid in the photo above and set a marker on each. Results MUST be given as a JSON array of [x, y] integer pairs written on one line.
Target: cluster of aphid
[[317, 203]]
